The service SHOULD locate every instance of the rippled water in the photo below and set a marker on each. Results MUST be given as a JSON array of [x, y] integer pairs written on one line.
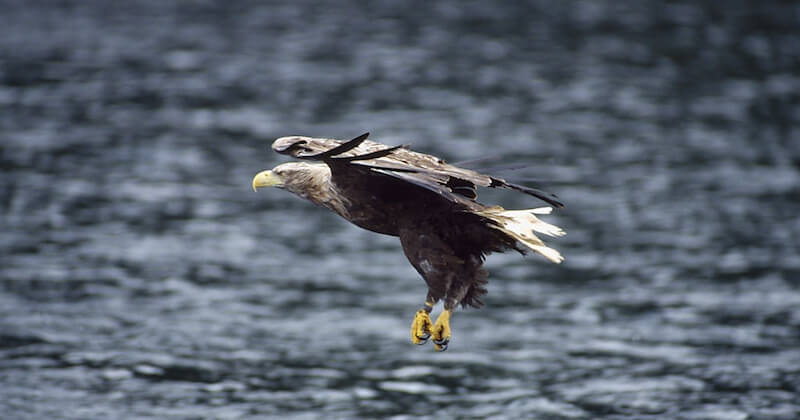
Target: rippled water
[[141, 278]]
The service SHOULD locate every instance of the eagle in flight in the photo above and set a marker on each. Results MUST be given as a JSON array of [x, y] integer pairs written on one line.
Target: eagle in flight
[[430, 205]]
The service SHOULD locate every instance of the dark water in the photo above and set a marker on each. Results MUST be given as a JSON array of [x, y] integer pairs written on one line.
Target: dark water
[[142, 278]]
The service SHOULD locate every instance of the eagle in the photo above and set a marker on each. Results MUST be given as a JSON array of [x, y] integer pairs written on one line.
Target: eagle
[[429, 204]]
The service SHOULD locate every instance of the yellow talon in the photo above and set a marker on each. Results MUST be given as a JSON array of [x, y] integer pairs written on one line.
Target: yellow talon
[[441, 331], [421, 327]]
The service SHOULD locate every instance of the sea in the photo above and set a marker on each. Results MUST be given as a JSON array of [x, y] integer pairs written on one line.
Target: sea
[[142, 278]]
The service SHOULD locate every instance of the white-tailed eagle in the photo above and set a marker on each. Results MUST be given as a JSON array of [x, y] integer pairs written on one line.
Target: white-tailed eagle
[[430, 205]]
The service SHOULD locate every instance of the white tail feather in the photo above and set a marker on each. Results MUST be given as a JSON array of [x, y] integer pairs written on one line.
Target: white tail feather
[[549, 253], [525, 217], [521, 225]]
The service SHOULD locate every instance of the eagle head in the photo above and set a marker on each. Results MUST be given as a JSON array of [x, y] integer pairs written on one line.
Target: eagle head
[[297, 177]]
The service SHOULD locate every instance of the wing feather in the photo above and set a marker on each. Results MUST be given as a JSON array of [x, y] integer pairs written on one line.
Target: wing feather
[[451, 182], [426, 183]]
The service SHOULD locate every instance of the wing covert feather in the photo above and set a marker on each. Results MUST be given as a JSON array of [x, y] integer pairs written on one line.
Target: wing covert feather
[[423, 170]]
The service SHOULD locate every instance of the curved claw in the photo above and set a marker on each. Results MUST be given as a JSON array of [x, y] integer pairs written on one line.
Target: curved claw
[[441, 331], [421, 327], [440, 345]]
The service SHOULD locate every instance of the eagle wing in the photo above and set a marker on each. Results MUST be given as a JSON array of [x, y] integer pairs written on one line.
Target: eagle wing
[[430, 172]]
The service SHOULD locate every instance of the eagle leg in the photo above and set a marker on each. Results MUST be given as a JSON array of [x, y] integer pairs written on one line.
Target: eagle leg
[[441, 330], [421, 326]]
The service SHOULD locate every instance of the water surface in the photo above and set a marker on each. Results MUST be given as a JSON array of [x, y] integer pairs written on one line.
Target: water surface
[[142, 278]]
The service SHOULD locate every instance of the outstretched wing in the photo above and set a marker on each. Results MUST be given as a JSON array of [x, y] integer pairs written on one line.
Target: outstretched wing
[[426, 171]]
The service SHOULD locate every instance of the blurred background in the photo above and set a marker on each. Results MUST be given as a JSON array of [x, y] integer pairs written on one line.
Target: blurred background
[[140, 276]]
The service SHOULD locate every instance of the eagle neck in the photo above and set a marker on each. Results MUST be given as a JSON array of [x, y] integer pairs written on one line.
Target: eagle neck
[[325, 193]]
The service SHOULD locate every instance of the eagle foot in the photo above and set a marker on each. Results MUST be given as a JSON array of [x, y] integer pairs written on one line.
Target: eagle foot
[[441, 331], [421, 327]]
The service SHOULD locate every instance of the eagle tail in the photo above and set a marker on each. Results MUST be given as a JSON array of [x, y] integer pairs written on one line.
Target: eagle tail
[[522, 226]]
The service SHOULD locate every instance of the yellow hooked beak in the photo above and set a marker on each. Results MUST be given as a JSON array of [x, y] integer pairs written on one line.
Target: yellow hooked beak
[[266, 179]]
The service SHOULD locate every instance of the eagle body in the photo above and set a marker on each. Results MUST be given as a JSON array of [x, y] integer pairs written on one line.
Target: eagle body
[[429, 205]]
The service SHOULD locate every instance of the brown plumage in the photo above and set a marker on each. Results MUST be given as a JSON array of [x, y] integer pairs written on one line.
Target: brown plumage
[[430, 205]]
